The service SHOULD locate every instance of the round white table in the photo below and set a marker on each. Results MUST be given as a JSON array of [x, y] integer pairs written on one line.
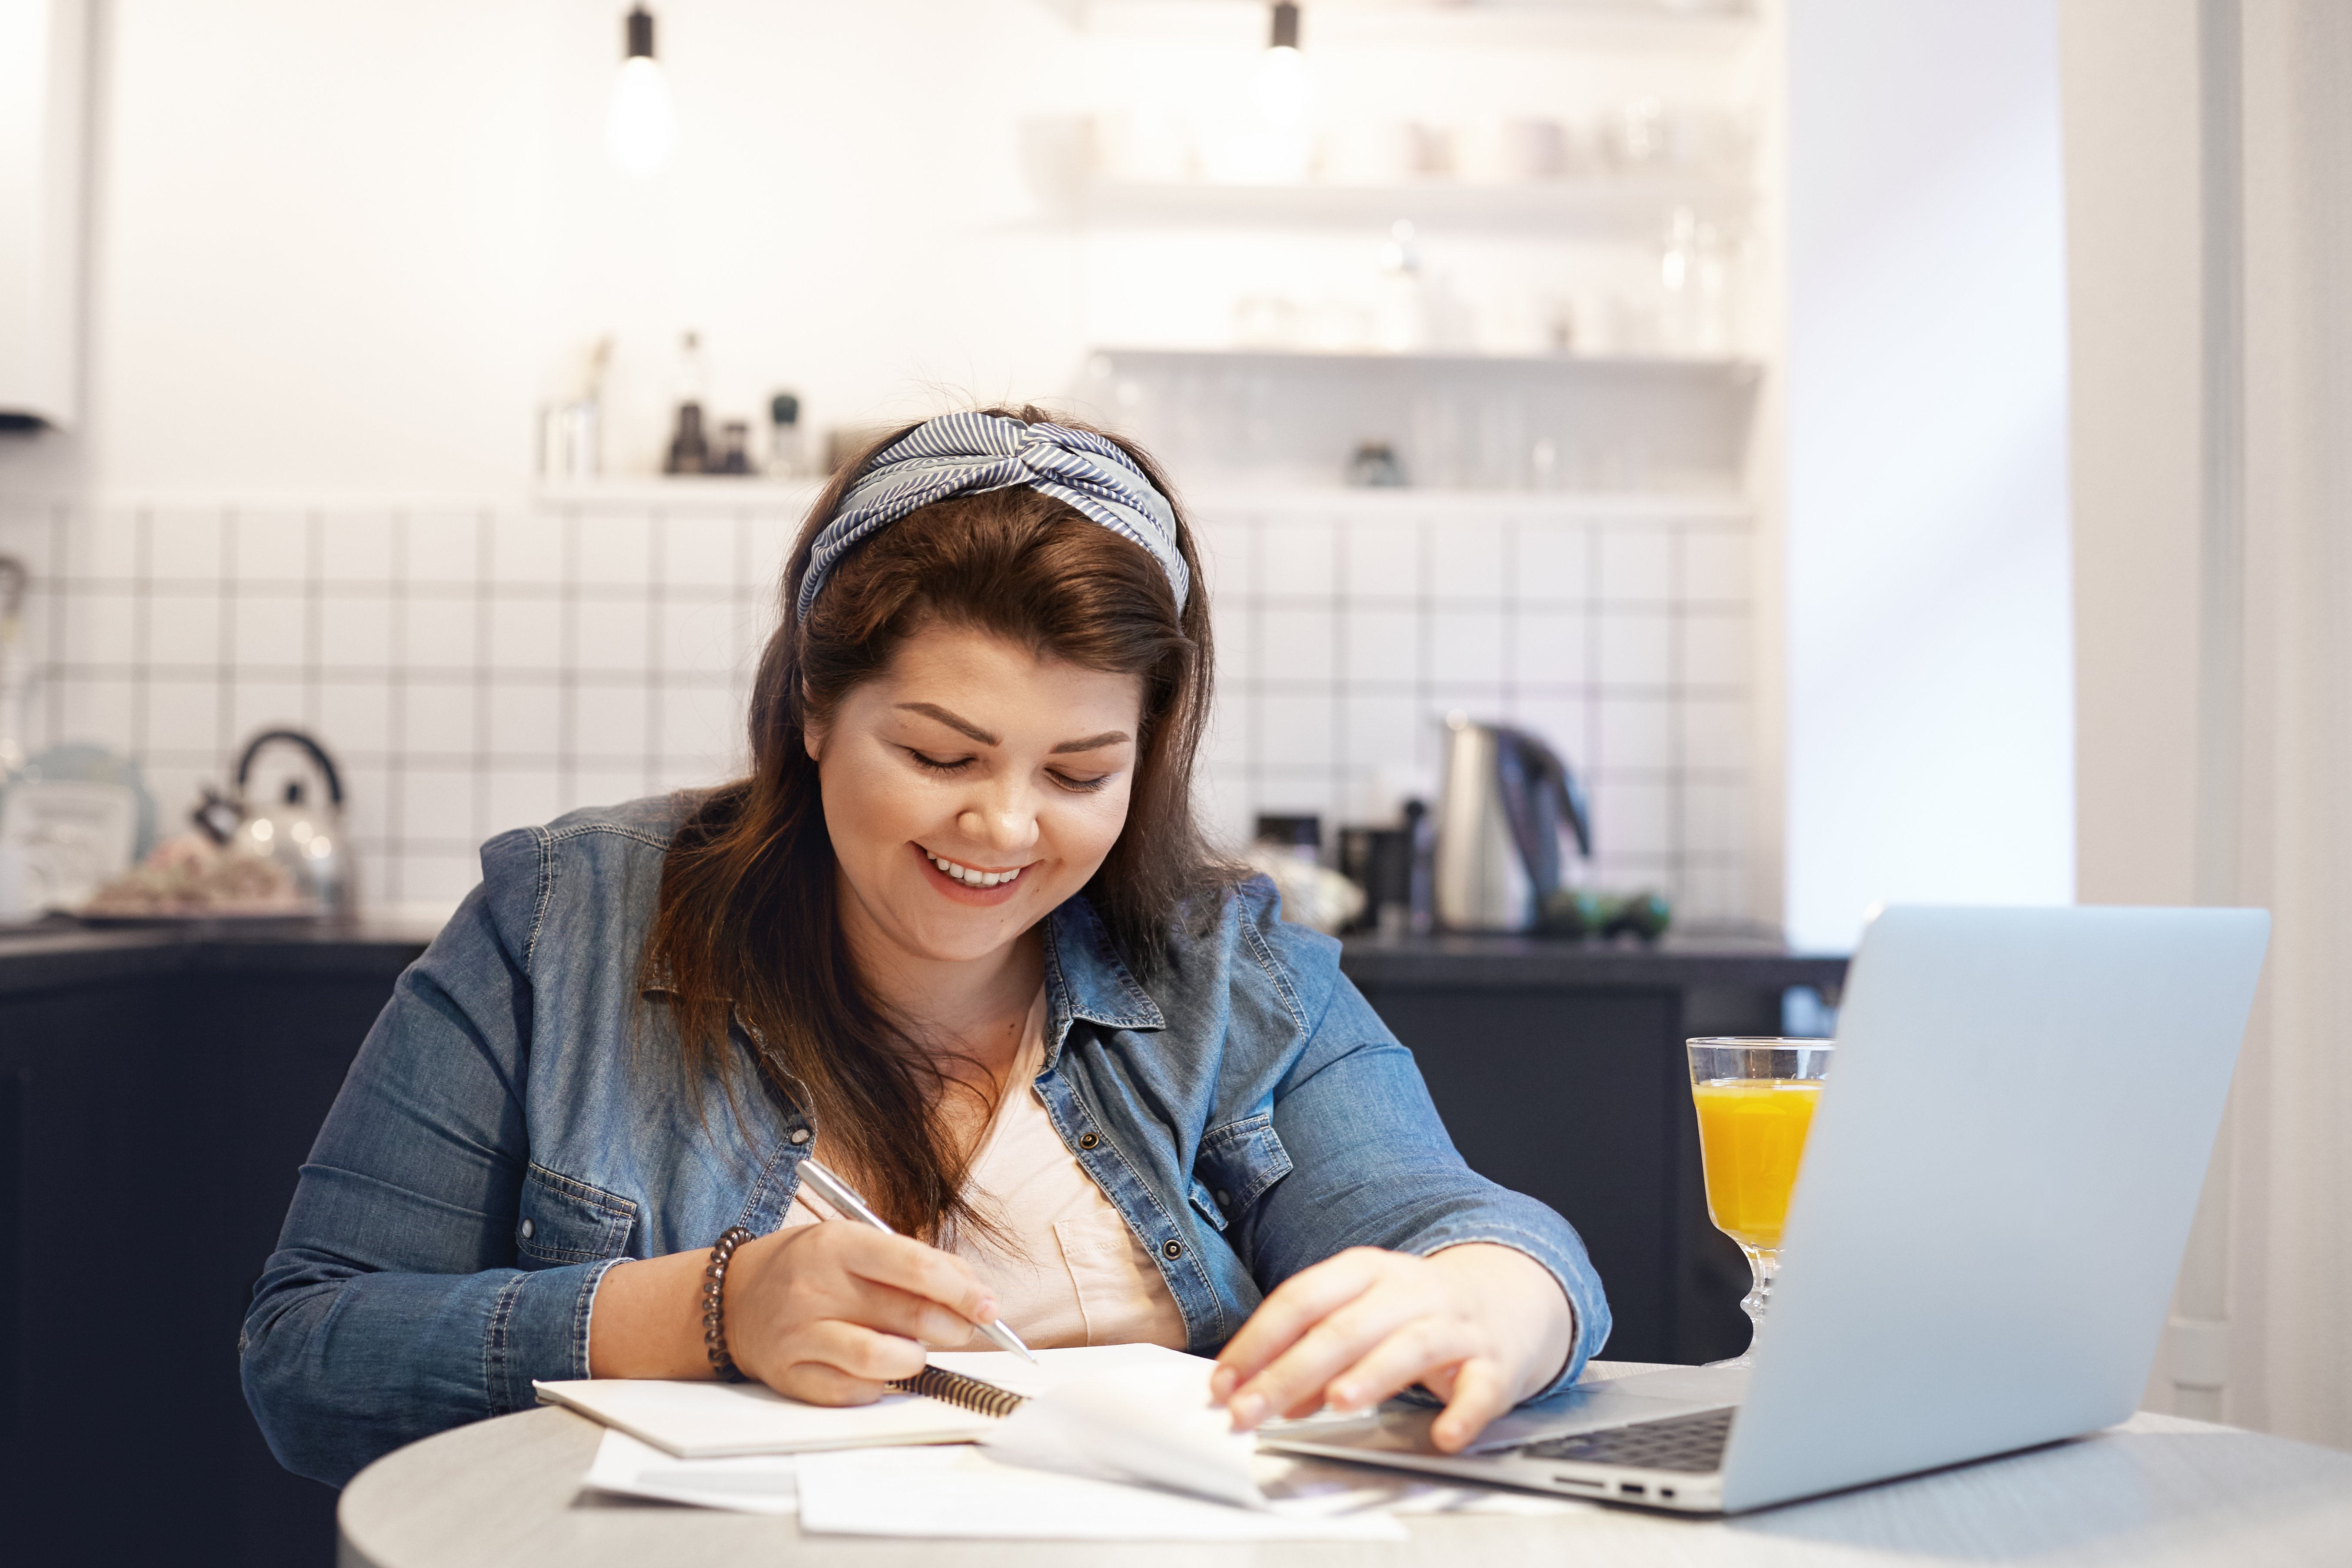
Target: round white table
[[2155, 1492]]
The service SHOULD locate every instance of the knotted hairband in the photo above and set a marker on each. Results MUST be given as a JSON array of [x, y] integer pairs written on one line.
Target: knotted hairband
[[968, 454]]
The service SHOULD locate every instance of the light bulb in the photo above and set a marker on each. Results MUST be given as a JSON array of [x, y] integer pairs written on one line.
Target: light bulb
[[1280, 85], [640, 130]]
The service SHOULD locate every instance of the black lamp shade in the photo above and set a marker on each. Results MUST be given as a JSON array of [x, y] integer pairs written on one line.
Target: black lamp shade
[[1286, 26], [640, 32]]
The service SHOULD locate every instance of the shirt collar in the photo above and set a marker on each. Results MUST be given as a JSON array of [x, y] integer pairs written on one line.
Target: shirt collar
[[1086, 979]]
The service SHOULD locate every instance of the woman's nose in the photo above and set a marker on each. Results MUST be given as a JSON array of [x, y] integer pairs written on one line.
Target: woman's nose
[[1004, 818]]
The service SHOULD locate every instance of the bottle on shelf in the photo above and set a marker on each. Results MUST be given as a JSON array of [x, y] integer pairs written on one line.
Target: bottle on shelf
[[689, 447], [734, 448], [784, 454]]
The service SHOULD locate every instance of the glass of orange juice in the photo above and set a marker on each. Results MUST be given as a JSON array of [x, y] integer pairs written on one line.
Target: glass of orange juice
[[1754, 1099]]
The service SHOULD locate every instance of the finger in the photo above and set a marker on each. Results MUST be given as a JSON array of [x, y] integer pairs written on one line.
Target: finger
[[1479, 1396], [815, 1383], [1423, 1351], [1297, 1304], [888, 1310], [907, 1265], [1295, 1383], [1299, 1381], [858, 1353]]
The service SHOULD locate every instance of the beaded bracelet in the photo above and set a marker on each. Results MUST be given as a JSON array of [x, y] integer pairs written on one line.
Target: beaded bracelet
[[714, 1310]]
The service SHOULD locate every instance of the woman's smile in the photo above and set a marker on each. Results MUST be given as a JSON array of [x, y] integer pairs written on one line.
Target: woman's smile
[[969, 885]]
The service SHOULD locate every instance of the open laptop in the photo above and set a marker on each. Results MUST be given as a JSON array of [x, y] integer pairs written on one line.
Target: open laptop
[[1995, 1198]]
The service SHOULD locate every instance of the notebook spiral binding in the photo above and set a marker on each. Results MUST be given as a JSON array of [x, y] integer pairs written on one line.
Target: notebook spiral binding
[[964, 1393]]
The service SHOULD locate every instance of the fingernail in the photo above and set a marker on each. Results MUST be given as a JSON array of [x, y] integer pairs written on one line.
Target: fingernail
[[1221, 1383], [986, 1311], [1342, 1396], [1247, 1411]]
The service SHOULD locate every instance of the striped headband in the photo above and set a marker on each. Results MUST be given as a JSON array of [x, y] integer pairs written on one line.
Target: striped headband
[[969, 453]]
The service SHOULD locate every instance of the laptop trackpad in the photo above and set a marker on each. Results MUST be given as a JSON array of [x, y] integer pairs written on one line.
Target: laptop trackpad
[[1587, 1407], [1616, 1402]]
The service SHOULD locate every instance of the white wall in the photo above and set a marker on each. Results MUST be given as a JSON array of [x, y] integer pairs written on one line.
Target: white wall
[[345, 249], [1929, 669], [2209, 239]]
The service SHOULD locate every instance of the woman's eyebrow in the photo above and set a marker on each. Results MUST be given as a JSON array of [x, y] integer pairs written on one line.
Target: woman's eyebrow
[[1091, 743], [964, 725]]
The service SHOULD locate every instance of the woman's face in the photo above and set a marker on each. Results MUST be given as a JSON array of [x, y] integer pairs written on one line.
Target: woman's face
[[972, 787]]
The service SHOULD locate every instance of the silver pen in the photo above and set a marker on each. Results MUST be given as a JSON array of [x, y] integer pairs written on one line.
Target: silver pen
[[837, 1192]]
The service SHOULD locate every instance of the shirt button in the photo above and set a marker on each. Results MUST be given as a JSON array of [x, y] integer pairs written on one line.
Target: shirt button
[[1088, 1140], [529, 1229], [799, 1135], [1173, 1250], [1223, 1198]]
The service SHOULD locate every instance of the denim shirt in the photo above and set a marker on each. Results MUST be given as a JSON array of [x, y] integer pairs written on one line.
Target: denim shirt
[[520, 1120]]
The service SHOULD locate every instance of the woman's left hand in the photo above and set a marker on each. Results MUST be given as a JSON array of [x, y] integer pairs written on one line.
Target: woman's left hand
[[1480, 1326]]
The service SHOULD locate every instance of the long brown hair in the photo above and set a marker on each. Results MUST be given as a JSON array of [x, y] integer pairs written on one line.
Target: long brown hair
[[747, 917]]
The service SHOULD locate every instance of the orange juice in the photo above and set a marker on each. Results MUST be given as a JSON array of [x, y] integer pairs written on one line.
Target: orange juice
[[1752, 1136]]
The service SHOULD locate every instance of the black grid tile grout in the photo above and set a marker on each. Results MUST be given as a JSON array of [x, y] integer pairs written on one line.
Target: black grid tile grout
[[400, 700]]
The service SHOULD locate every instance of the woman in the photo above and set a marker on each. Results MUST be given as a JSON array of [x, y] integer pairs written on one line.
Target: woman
[[958, 934]]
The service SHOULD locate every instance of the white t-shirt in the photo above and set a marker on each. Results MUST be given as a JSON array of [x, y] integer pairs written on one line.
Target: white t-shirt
[[1081, 1276]]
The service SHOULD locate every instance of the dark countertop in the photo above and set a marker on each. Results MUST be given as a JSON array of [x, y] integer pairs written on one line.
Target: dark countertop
[[57, 953], [1678, 960]]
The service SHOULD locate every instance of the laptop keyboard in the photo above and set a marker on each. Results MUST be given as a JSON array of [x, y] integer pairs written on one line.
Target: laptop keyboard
[[1691, 1443]]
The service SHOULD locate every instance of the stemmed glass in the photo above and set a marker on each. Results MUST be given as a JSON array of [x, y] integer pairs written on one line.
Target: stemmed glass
[[1755, 1099]]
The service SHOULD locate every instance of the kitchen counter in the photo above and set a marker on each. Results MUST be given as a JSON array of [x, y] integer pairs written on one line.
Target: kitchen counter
[[57, 953], [54, 954], [1708, 960]]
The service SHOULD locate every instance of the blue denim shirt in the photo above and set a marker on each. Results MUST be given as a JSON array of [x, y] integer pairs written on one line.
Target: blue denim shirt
[[519, 1121]]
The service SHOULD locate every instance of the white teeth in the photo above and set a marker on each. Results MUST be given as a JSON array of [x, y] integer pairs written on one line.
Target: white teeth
[[969, 877]]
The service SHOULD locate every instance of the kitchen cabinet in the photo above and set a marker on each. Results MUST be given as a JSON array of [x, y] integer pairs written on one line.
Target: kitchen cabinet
[[1559, 1071], [157, 1093]]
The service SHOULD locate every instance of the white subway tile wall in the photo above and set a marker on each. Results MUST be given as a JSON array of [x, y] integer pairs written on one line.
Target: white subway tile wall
[[476, 668]]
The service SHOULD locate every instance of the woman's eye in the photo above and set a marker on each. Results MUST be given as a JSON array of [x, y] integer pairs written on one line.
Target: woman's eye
[[1088, 785], [937, 765]]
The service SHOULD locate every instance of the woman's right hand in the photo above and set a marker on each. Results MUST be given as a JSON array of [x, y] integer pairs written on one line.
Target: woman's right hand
[[829, 1313]]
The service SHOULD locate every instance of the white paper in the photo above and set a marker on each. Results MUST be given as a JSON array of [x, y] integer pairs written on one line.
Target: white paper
[[718, 1420], [1149, 1422], [1007, 1371], [756, 1483], [961, 1493]]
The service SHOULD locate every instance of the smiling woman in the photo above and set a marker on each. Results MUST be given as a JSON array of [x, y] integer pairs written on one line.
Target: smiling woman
[[957, 931]]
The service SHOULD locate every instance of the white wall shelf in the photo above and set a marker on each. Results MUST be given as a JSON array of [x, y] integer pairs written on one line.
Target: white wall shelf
[[1594, 203], [1512, 424], [700, 493]]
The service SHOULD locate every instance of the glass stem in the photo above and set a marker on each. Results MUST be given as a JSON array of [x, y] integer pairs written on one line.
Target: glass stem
[[1762, 1266]]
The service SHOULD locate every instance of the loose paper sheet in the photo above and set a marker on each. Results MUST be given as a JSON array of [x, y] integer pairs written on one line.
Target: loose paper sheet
[[1149, 1422], [756, 1483], [962, 1493]]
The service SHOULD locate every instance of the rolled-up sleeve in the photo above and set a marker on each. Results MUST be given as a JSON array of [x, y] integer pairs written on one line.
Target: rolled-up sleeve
[[1371, 1166], [393, 1307]]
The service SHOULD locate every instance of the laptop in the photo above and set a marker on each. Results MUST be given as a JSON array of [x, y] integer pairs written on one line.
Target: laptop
[[1995, 1198]]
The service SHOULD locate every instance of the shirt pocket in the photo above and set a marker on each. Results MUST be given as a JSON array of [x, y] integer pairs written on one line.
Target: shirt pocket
[[566, 1222], [1237, 1163], [1122, 1298]]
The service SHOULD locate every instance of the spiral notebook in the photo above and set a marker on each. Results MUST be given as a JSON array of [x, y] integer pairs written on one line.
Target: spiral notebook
[[957, 1398]]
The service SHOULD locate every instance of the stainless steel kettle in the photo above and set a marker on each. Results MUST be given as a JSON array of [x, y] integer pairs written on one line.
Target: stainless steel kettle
[[300, 832], [1503, 801]]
